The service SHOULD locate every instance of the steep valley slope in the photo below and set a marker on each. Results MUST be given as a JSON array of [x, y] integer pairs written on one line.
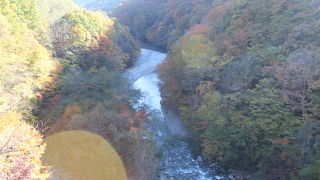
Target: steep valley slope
[[244, 76], [61, 70]]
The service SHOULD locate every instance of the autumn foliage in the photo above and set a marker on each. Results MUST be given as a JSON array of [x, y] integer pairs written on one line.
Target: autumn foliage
[[244, 75], [21, 148], [55, 64]]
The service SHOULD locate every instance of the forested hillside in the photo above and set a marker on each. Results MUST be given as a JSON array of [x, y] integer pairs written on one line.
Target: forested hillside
[[245, 74], [161, 22], [54, 10], [26, 67], [60, 69]]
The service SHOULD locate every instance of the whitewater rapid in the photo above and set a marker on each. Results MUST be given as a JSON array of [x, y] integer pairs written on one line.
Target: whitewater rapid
[[164, 125]]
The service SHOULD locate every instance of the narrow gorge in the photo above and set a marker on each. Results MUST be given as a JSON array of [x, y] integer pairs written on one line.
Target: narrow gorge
[[160, 89]]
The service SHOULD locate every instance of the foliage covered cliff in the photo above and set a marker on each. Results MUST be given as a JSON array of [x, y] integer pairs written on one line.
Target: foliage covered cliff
[[60, 70], [25, 66], [244, 76], [161, 22]]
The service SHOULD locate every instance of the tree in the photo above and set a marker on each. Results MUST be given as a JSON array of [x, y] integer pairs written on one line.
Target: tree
[[21, 147]]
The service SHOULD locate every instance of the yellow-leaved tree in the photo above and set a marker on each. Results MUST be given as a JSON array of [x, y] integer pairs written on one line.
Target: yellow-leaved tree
[[26, 67], [21, 147]]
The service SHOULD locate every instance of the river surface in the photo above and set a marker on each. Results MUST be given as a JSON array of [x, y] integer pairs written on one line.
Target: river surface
[[167, 131]]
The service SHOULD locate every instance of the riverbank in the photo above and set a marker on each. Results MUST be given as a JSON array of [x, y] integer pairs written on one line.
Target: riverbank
[[164, 125]]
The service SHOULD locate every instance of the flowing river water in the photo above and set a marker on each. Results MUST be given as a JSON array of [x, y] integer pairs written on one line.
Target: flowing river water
[[164, 125]]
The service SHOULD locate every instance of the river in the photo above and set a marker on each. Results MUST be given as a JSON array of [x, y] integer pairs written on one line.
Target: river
[[164, 125]]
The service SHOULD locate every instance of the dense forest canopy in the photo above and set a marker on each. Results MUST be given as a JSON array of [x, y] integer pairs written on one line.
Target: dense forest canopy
[[245, 75], [61, 69]]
